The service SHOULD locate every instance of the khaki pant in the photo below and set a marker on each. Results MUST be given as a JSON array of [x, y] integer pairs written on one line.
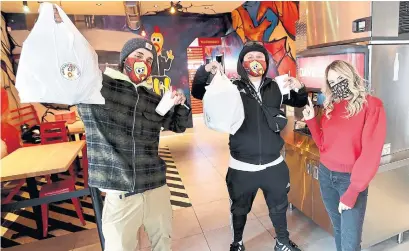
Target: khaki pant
[[122, 218]]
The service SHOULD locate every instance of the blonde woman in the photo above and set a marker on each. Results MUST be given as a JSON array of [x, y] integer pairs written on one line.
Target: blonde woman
[[350, 137]]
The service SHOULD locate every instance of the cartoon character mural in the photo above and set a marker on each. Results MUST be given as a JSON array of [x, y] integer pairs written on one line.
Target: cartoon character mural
[[160, 81], [164, 63], [273, 23]]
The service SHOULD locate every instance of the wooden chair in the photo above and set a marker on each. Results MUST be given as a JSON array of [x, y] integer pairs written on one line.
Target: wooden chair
[[51, 133]]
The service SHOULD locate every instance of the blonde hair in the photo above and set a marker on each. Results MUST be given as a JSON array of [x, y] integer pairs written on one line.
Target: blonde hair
[[355, 84]]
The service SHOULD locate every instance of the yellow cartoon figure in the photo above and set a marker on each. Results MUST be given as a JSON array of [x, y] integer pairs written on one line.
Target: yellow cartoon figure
[[164, 61], [161, 84], [157, 39]]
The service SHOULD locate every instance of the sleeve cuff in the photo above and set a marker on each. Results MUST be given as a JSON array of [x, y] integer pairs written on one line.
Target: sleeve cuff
[[300, 90], [182, 111], [349, 197]]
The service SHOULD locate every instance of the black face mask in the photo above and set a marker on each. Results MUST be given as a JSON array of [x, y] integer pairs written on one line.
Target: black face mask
[[341, 90]]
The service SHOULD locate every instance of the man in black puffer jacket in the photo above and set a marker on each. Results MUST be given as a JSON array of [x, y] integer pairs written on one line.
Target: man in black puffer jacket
[[256, 162]]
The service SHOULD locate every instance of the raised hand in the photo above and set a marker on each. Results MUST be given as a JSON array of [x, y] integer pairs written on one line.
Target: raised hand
[[213, 67], [309, 112], [179, 96], [293, 83]]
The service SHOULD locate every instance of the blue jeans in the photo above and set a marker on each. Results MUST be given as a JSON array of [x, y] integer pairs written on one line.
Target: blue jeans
[[348, 225]]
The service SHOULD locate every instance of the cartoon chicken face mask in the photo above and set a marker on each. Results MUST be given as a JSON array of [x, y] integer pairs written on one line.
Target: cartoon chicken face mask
[[255, 68], [137, 70]]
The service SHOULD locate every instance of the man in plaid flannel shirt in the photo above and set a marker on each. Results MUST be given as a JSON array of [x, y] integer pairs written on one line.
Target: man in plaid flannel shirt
[[122, 143]]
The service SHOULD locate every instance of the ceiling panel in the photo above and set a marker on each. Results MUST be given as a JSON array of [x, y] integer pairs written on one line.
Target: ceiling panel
[[117, 7]]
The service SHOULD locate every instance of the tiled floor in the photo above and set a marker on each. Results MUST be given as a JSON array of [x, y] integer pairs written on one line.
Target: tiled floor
[[202, 159]]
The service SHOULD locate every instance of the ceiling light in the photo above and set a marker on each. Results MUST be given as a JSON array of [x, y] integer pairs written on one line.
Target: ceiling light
[[156, 6], [99, 4], [25, 7], [172, 10]]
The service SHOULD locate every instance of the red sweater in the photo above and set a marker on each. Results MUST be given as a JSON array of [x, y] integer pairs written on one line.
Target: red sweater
[[352, 145]]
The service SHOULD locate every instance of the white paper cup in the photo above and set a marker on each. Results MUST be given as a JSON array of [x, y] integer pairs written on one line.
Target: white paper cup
[[166, 103], [281, 82]]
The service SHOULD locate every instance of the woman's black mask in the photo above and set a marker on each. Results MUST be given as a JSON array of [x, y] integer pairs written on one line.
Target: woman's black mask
[[341, 90]]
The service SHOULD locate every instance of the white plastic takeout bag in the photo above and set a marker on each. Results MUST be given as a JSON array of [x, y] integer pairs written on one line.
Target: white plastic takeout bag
[[223, 109], [57, 64]]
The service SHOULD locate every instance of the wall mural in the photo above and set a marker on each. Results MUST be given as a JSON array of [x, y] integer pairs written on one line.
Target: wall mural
[[159, 79], [271, 22], [172, 35]]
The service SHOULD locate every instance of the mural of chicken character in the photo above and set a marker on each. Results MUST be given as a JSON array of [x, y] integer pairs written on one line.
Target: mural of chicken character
[[160, 81]]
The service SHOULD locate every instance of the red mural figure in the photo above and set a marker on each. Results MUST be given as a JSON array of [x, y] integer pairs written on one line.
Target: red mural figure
[[245, 28], [272, 23], [282, 57], [287, 13]]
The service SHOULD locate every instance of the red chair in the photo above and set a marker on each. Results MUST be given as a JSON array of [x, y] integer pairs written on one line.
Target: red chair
[[24, 115], [69, 117], [53, 132], [56, 188], [56, 132], [11, 188]]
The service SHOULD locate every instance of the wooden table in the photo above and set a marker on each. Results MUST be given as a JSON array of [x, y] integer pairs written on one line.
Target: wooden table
[[41, 160], [30, 162]]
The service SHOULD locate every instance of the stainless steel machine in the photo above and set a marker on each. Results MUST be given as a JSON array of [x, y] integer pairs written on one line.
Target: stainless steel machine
[[374, 36]]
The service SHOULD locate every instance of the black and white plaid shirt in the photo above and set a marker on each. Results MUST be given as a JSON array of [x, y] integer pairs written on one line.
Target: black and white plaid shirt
[[123, 137]]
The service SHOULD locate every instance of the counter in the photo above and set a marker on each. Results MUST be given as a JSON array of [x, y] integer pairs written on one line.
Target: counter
[[387, 211]]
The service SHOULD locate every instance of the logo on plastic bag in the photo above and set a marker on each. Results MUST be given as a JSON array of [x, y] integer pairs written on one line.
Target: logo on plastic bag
[[70, 71]]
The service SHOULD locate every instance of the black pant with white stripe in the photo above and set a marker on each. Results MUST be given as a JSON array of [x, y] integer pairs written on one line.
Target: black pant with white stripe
[[243, 186]]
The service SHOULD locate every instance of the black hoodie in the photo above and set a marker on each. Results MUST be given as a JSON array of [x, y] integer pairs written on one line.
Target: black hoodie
[[258, 140]]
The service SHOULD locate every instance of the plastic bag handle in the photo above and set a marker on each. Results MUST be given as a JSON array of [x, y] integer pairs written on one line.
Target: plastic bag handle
[[46, 13], [56, 10], [64, 17]]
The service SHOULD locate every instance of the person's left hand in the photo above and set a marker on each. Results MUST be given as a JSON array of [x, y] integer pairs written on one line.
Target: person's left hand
[[293, 83], [342, 207], [180, 97]]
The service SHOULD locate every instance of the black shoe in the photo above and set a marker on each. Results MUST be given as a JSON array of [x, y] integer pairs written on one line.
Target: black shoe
[[290, 246], [237, 247]]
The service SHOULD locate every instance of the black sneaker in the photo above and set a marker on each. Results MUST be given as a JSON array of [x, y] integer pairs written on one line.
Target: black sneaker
[[290, 246], [237, 247]]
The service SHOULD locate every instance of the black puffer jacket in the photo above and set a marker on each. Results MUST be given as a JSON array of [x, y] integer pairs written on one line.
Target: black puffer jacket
[[256, 142]]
